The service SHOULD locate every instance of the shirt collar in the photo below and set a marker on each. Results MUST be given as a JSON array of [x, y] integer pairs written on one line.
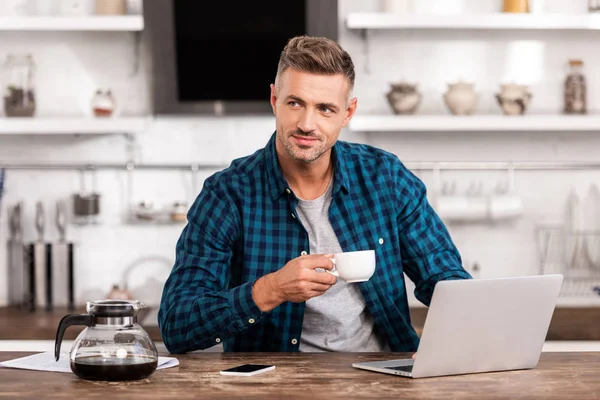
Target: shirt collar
[[278, 186]]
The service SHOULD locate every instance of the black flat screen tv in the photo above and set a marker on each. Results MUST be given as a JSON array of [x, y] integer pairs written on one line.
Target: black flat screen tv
[[220, 57]]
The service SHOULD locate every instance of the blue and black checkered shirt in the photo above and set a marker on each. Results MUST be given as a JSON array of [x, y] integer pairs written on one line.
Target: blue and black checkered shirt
[[243, 225]]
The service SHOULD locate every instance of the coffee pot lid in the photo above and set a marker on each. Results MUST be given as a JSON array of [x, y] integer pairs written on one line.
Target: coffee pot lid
[[114, 308]]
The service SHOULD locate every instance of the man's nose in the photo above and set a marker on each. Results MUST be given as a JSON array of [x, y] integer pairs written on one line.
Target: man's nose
[[308, 121]]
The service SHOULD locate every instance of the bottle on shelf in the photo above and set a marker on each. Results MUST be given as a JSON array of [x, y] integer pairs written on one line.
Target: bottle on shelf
[[516, 6], [575, 89], [18, 82]]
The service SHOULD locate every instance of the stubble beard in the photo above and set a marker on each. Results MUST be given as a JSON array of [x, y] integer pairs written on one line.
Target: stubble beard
[[305, 154]]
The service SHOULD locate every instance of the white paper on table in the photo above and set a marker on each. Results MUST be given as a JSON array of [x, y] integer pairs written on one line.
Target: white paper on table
[[45, 362]]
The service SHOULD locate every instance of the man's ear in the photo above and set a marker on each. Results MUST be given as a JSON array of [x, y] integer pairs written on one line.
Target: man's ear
[[273, 99], [350, 111]]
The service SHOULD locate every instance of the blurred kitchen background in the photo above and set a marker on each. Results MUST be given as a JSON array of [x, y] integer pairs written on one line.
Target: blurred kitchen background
[[114, 112]]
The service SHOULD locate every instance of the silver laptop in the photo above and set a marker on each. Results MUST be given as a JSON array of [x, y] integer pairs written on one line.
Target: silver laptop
[[481, 325]]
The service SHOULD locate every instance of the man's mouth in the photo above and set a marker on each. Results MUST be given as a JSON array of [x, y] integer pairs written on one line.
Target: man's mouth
[[304, 140]]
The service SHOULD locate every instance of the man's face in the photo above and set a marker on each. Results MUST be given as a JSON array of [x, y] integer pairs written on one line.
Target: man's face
[[310, 111]]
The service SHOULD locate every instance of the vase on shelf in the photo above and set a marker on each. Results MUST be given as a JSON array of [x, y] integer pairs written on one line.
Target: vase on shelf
[[404, 98], [461, 98], [514, 98]]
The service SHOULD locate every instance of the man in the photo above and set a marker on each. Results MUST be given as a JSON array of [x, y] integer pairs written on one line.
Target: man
[[249, 264]]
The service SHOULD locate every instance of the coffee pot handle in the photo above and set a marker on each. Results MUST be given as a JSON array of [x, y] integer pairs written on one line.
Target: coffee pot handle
[[65, 322]]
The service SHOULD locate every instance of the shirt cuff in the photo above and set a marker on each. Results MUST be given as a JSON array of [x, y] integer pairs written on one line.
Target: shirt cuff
[[240, 299]]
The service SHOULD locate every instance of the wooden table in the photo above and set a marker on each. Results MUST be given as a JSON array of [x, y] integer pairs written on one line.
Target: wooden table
[[314, 376]]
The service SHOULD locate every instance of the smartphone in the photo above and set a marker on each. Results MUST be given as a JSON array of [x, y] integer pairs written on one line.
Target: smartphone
[[248, 370]]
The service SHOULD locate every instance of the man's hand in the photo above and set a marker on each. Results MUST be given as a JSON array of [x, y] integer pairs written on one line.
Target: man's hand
[[297, 281]]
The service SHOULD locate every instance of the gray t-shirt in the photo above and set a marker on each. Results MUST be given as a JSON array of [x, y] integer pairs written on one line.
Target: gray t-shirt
[[337, 320]]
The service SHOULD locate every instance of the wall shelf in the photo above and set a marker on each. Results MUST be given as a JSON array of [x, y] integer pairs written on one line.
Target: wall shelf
[[71, 126], [59, 23], [373, 20], [477, 123]]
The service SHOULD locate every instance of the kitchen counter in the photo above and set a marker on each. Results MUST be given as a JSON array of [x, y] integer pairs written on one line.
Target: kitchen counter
[[42, 325], [568, 323], [314, 376]]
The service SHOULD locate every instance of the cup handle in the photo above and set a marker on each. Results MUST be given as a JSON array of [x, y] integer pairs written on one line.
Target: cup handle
[[333, 271]]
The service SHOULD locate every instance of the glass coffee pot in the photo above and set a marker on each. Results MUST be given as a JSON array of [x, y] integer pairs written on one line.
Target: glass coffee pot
[[113, 347]]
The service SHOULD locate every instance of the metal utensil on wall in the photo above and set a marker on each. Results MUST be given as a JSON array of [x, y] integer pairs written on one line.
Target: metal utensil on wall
[[40, 263], [86, 204], [18, 278], [2, 180], [62, 262]]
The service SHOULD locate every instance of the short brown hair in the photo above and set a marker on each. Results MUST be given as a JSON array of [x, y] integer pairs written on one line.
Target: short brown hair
[[316, 55]]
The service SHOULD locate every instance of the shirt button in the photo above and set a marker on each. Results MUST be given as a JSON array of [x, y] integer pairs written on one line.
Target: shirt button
[[303, 253], [380, 240], [293, 216], [251, 320], [218, 340], [294, 341], [288, 191]]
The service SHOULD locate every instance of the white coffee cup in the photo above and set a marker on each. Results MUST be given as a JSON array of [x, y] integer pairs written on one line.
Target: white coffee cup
[[354, 266]]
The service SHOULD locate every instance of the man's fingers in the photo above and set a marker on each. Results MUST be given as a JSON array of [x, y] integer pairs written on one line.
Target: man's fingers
[[320, 287], [315, 261], [322, 277], [316, 293]]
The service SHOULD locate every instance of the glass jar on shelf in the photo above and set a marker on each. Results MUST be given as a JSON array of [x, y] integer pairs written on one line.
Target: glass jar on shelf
[[575, 89], [19, 85], [103, 103], [516, 6]]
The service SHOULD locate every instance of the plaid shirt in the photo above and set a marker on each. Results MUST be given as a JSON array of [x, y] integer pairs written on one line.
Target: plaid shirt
[[243, 225]]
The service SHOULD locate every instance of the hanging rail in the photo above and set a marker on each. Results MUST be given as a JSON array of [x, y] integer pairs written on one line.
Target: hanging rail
[[108, 166], [413, 165], [503, 165]]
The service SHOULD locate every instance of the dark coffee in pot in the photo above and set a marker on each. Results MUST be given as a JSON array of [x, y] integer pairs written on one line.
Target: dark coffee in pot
[[126, 369]]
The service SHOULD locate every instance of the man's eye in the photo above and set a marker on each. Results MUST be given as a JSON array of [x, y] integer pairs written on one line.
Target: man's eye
[[293, 103], [326, 110]]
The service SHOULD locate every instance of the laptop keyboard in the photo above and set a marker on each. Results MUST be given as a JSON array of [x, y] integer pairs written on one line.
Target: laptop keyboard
[[405, 368]]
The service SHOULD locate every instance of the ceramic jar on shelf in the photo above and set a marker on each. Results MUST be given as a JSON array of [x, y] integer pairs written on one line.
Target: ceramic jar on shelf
[[404, 98], [461, 98], [514, 98]]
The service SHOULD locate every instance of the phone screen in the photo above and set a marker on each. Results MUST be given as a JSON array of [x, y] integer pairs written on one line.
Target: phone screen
[[247, 368]]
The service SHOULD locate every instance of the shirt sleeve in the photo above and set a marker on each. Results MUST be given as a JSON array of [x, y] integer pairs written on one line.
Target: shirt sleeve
[[428, 252], [198, 309]]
